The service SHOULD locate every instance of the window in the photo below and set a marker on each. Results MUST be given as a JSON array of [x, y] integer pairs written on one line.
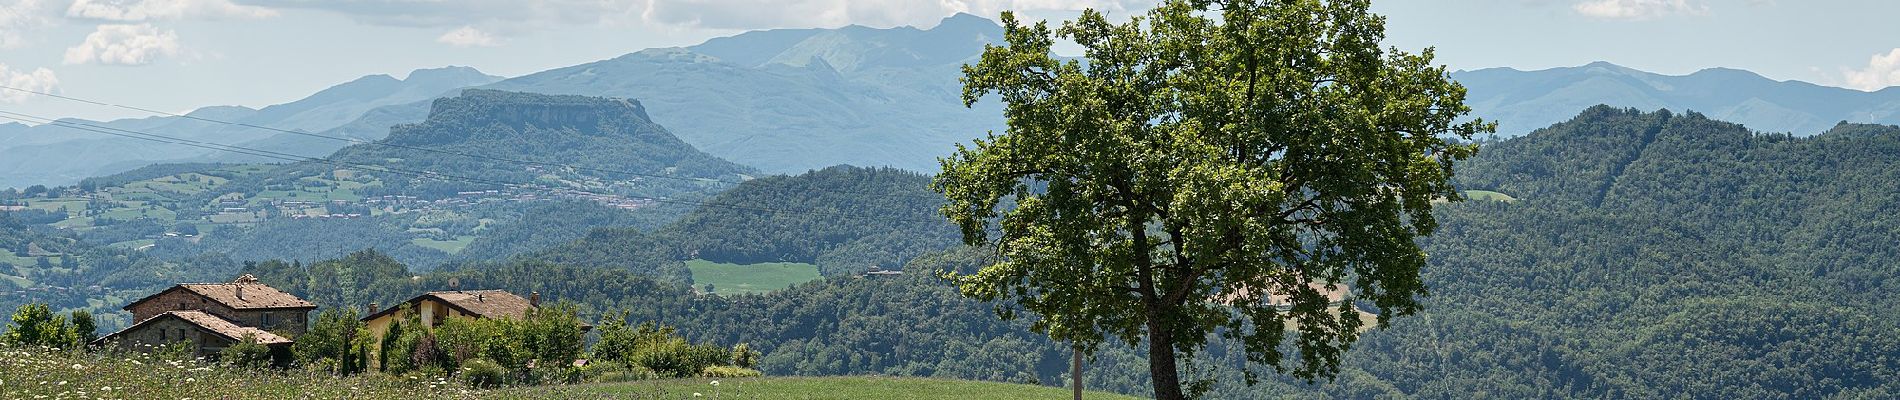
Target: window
[[266, 319]]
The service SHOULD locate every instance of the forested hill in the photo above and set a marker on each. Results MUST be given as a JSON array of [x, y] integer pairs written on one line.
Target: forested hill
[[844, 219], [1647, 255], [1655, 254], [605, 137]]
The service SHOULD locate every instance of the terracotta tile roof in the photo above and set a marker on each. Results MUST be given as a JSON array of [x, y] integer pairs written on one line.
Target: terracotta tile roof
[[243, 294], [209, 323], [485, 303]]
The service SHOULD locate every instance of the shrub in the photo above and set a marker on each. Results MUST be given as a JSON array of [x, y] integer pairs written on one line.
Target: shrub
[[247, 353], [729, 372], [483, 373]]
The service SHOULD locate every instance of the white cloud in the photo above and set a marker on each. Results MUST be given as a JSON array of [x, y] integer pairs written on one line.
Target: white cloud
[[746, 14], [501, 18], [23, 15], [125, 45], [39, 80], [143, 10], [468, 36], [1882, 71], [1638, 9]]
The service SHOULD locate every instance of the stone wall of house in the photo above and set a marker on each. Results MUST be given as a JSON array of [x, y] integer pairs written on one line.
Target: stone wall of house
[[170, 330], [289, 322], [178, 300]]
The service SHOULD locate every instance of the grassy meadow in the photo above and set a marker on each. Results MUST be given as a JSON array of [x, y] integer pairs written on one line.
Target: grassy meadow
[[730, 279], [794, 388], [36, 372]]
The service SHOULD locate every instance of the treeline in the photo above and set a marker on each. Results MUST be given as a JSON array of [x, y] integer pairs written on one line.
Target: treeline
[[844, 219]]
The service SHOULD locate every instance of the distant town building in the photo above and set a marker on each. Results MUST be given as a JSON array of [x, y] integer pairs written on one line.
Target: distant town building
[[877, 271]]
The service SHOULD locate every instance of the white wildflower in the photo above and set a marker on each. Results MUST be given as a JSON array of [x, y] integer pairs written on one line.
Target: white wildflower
[[715, 383], [696, 394], [78, 366]]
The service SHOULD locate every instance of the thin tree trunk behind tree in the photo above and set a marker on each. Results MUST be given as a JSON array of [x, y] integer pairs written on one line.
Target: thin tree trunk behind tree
[[1161, 362]]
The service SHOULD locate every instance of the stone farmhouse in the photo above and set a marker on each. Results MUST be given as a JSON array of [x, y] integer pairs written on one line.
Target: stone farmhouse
[[212, 316]]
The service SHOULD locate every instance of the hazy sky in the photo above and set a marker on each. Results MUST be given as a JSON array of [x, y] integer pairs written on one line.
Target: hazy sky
[[178, 55]]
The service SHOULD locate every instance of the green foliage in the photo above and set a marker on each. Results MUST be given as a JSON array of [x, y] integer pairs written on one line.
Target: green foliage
[[743, 356], [483, 373], [721, 371], [246, 353], [85, 330], [1211, 150], [887, 219], [656, 349], [36, 324], [536, 350], [338, 342]]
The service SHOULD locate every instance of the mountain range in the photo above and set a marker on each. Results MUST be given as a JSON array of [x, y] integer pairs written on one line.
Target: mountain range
[[1525, 100], [54, 155], [792, 100]]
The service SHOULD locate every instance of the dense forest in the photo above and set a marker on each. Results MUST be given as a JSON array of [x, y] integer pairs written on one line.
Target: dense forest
[[843, 219]]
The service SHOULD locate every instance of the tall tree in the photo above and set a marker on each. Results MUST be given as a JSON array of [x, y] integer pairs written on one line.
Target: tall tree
[[1201, 161]]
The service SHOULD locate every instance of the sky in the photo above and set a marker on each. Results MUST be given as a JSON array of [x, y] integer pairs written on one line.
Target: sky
[[178, 55]]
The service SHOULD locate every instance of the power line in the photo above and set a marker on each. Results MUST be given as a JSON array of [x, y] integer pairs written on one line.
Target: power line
[[127, 133], [414, 148]]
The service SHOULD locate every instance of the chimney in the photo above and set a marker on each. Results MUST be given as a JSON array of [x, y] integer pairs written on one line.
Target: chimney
[[372, 308], [240, 292], [480, 298], [534, 299]]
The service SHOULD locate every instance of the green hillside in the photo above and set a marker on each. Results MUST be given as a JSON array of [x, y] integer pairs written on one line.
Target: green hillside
[[842, 219]]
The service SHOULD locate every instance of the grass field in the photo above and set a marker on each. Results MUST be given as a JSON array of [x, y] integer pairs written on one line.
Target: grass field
[[845, 387], [39, 373], [730, 279], [446, 246], [1486, 195]]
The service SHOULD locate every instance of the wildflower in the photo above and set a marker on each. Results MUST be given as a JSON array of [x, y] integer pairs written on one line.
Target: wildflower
[[62, 383], [78, 366], [105, 388], [715, 383], [696, 394]]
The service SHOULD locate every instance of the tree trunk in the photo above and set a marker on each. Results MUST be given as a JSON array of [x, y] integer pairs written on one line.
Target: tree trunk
[[1161, 362]]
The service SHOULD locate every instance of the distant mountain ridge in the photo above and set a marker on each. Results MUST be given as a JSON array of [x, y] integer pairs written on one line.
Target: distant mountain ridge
[[788, 100], [54, 155], [1522, 101], [549, 134]]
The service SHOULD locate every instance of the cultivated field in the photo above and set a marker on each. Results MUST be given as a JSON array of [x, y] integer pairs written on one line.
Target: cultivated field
[[730, 279]]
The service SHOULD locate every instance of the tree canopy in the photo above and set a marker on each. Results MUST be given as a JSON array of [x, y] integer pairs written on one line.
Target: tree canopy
[[1199, 162]]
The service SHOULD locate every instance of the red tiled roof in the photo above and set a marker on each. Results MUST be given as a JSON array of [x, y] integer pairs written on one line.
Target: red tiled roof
[[491, 303], [209, 323], [486, 303], [245, 293]]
